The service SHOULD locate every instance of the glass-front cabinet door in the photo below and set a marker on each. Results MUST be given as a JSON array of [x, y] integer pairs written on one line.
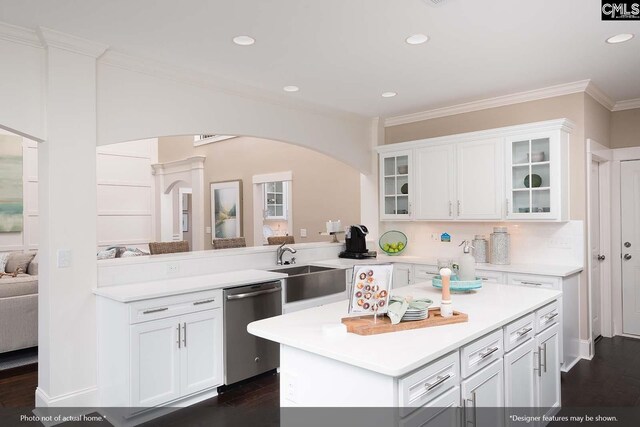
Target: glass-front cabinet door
[[533, 178], [396, 185]]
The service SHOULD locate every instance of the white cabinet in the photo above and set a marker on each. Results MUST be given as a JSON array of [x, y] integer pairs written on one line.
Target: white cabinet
[[155, 362], [519, 386], [396, 185], [402, 275], [160, 351], [201, 366], [488, 276], [424, 273], [514, 173], [537, 169], [276, 200], [484, 389], [547, 376], [435, 182], [479, 173], [460, 181]]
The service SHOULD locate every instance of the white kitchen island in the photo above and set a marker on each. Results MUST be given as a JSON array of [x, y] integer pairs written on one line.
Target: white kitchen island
[[507, 354]]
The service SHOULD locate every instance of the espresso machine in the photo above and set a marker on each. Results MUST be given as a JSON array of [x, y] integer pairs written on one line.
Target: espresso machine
[[356, 243]]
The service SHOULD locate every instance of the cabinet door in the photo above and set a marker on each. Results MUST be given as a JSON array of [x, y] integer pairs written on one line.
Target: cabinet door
[[519, 376], [488, 276], [548, 369], [435, 177], [480, 180], [396, 185], [484, 389], [201, 358], [401, 275], [155, 362]]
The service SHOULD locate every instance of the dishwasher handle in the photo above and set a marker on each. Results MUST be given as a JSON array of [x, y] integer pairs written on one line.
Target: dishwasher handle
[[253, 294]]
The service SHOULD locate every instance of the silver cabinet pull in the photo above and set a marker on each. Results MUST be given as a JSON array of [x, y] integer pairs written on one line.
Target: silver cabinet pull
[[539, 368], [531, 283], [524, 331], [184, 338], [458, 207], [488, 352], [549, 317], [544, 348], [473, 406], [507, 206], [450, 208], [179, 335], [439, 380], [155, 310], [207, 301]]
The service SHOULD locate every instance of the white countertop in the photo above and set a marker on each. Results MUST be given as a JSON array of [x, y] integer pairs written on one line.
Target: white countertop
[[398, 353], [539, 269], [183, 285]]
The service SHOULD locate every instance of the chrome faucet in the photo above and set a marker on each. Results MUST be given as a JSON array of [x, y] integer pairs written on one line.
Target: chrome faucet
[[281, 250]]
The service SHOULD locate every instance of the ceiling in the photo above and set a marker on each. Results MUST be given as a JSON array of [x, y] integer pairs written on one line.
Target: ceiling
[[344, 53]]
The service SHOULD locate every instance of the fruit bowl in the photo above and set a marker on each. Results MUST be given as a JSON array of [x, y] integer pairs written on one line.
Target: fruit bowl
[[393, 242]]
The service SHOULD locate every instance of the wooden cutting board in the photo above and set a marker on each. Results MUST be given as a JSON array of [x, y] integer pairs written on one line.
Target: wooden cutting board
[[364, 325]]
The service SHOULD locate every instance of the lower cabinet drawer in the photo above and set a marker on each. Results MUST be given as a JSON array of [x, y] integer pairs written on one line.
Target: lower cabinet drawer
[[490, 276], [548, 282], [424, 272], [547, 316], [421, 387], [518, 332], [175, 305], [441, 411], [481, 353]]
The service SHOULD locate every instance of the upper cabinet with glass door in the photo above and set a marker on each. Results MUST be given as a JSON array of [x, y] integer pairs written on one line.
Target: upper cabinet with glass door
[[396, 193], [275, 200], [536, 176]]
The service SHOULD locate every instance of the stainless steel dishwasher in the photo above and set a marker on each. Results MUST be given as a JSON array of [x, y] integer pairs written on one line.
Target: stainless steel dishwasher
[[246, 355]]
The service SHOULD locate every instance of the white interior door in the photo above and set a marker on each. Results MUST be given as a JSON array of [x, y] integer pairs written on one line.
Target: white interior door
[[596, 293], [630, 206]]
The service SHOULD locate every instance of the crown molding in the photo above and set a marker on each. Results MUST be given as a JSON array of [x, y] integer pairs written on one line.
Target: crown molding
[[57, 39], [20, 35], [597, 94], [628, 104], [499, 101], [220, 84]]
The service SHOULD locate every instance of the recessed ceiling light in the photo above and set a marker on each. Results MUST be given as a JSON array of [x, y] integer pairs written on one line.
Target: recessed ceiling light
[[244, 40], [291, 88], [620, 38], [388, 94], [417, 39]]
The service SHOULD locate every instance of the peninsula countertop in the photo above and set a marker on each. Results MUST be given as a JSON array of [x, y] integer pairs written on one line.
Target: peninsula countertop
[[398, 353]]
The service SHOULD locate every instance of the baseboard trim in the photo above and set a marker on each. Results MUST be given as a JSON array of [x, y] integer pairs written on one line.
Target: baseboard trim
[[586, 349], [87, 397], [566, 367]]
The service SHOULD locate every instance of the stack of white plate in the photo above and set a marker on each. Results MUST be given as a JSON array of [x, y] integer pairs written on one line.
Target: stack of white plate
[[415, 314]]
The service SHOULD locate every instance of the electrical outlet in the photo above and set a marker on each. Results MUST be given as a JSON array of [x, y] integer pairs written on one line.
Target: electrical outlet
[[303, 232], [207, 230], [173, 268], [291, 388], [64, 258], [560, 243]]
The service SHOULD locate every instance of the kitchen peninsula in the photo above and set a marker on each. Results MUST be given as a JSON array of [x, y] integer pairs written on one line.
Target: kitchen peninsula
[[507, 354]]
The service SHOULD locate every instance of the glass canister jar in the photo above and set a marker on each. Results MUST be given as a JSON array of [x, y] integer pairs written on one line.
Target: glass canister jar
[[500, 242], [481, 246]]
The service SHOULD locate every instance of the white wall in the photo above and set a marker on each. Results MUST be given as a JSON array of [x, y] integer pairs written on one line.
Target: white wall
[[28, 238], [126, 193], [540, 243]]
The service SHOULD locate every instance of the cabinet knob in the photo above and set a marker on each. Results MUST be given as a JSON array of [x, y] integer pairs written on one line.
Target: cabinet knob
[[257, 359]]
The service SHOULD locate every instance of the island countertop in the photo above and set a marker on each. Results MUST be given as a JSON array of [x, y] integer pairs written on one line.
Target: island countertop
[[398, 353]]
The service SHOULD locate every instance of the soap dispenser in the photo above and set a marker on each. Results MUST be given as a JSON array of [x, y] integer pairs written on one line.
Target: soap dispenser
[[467, 263]]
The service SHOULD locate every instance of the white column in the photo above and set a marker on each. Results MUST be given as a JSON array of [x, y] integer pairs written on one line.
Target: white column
[[369, 211], [197, 202], [67, 369]]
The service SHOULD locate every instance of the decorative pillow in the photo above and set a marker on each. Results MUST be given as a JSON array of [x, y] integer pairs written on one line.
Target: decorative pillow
[[33, 266], [107, 254], [3, 261], [19, 260], [132, 252]]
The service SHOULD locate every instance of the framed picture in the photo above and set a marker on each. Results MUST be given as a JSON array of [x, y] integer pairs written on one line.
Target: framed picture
[[11, 202], [226, 209]]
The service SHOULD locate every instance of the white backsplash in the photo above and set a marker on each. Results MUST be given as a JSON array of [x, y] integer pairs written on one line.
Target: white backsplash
[[541, 243]]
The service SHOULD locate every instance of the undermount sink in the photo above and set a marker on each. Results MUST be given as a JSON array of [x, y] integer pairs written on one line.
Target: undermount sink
[[310, 281]]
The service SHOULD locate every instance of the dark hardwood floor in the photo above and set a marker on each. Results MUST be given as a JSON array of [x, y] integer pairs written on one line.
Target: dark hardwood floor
[[612, 378]]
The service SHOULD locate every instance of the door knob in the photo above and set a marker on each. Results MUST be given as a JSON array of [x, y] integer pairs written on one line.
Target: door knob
[[627, 244], [627, 257], [601, 257]]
